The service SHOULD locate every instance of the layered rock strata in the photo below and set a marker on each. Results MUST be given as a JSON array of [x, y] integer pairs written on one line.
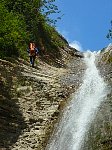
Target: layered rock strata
[[31, 99]]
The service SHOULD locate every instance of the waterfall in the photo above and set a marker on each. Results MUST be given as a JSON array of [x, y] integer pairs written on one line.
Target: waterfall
[[81, 111]]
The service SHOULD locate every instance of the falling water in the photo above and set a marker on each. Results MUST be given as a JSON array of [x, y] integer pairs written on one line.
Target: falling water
[[81, 111]]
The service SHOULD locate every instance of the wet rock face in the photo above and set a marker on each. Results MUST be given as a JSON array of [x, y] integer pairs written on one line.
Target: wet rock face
[[99, 136], [105, 64]]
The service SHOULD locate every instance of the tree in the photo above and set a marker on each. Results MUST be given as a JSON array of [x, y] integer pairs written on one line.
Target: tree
[[25, 20], [48, 8], [34, 12], [12, 31], [109, 35]]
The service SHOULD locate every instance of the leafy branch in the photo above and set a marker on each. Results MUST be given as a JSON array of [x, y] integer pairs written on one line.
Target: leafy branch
[[109, 35]]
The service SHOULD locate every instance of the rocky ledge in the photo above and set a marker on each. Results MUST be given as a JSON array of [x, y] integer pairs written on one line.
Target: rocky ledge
[[31, 99]]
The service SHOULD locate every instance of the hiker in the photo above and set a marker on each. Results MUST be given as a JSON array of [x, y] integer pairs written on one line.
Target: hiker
[[32, 51]]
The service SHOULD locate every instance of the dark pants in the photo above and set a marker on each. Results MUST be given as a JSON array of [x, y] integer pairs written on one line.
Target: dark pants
[[32, 60]]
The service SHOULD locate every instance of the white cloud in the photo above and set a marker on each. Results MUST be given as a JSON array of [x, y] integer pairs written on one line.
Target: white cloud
[[76, 45]]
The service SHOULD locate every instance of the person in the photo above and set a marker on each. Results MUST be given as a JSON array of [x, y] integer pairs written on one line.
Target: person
[[32, 51]]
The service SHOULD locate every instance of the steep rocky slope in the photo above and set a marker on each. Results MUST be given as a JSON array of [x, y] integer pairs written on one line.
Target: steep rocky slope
[[31, 99]]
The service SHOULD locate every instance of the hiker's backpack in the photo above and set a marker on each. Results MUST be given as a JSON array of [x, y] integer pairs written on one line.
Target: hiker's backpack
[[32, 49]]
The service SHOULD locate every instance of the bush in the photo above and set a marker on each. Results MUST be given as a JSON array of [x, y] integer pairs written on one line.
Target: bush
[[12, 31]]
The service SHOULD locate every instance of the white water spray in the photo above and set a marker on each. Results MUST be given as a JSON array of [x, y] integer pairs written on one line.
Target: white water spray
[[81, 111]]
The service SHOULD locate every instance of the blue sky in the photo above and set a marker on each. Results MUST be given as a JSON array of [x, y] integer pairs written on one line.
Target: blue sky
[[85, 23]]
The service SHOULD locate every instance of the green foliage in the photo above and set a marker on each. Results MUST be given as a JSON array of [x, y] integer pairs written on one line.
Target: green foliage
[[51, 38], [49, 8], [12, 31], [25, 20], [109, 35]]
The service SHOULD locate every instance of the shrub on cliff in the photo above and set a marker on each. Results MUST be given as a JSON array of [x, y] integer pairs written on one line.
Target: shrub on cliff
[[109, 35], [25, 20], [12, 31]]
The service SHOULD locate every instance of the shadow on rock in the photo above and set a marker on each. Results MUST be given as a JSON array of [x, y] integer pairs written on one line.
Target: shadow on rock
[[11, 119]]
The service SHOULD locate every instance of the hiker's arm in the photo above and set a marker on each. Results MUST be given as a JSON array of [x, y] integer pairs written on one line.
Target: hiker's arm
[[36, 50]]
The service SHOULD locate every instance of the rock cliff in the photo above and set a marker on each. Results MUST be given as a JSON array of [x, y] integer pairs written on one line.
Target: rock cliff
[[100, 134], [31, 99]]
